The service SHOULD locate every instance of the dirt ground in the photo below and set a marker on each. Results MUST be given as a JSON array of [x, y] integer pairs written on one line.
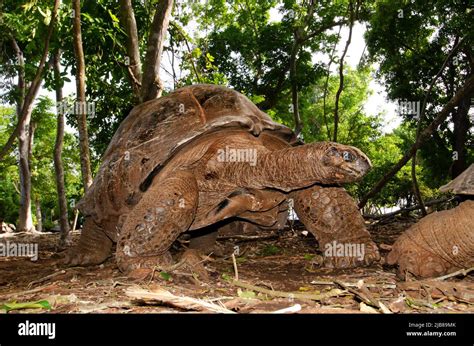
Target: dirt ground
[[276, 273]]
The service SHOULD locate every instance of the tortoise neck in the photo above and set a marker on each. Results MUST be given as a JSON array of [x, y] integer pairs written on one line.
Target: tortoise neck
[[285, 169]]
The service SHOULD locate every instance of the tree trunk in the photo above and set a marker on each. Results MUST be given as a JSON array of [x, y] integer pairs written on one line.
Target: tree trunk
[[465, 91], [27, 105], [134, 65], [39, 220], [58, 147], [81, 98], [341, 72], [460, 132], [151, 82], [25, 221], [294, 86]]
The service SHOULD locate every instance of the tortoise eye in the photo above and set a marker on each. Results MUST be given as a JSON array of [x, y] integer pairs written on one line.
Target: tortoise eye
[[347, 156]]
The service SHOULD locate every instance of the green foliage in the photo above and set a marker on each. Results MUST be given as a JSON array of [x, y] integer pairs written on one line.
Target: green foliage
[[9, 196], [270, 250], [411, 40], [42, 165], [238, 44]]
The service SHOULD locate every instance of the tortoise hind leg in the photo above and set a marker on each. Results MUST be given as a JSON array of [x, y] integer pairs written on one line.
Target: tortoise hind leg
[[334, 219], [94, 246], [165, 211]]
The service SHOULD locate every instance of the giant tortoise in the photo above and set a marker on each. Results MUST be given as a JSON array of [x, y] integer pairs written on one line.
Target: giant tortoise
[[204, 154]]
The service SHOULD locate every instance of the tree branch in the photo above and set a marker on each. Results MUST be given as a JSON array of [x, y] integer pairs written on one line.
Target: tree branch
[[271, 97], [465, 91], [151, 82], [341, 71], [135, 66], [34, 87], [416, 188]]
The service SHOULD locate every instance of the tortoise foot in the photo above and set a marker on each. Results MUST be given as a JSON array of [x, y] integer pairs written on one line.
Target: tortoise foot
[[343, 255], [413, 259], [94, 247]]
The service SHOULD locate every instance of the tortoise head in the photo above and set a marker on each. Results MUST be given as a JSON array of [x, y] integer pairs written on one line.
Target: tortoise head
[[346, 163]]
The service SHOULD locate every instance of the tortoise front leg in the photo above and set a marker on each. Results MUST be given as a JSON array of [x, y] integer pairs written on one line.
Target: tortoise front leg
[[166, 210], [94, 246], [332, 216]]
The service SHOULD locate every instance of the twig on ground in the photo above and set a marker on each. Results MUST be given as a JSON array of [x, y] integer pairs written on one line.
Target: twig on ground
[[22, 293], [350, 284], [236, 270], [332, 293], [241, 237], [166, 297], [46, 278], [365, 297], [462, 272]]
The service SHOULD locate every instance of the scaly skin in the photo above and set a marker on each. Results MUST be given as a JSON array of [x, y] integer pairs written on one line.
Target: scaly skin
[[294, 168], [330, 214], [439, 243], [158, 219], [94, 246]]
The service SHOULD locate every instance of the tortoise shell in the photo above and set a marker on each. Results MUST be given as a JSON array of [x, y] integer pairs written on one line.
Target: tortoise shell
[[156, 130], [463, 184]]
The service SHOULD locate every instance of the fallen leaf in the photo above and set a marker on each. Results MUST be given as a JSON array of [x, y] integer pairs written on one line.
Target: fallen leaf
[[41, 304]]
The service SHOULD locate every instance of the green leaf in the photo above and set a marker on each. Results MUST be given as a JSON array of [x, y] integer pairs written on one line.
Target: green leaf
[[41, 12], [226, 277], [41, 304], [210, 57], [87, 16], [114, 18], [29, 5], [165, 276]]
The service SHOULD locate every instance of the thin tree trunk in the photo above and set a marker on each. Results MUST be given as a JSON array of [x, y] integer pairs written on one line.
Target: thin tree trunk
[[465, 91], [21, 77], [25, 220], [81, 97], [341, 72], [58, 147], [39, 220], [460, 132], [134, 67], [326, 83], [272, 96], [27, 105], [151, 82], [294, 86]]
